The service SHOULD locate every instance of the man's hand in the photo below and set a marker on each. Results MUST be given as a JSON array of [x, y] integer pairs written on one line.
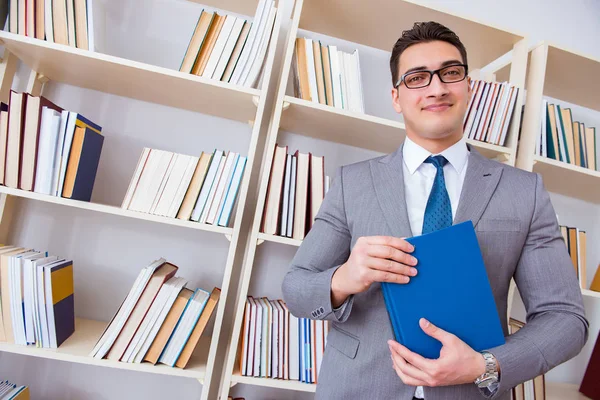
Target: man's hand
[[458, 363], [373, 259]]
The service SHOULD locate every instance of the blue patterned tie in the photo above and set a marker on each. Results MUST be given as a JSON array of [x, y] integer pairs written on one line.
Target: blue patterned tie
[[438, 213]]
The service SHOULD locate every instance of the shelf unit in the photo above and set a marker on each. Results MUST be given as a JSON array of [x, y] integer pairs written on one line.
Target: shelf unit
[[350, 21], [140, 81]]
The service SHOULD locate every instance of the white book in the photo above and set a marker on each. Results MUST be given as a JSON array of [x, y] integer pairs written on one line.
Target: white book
[[18, 295], [163, 183], [292, 199], [258, 60], [344, 80], [265, 342], [506, 124], [496, 128], [301, 348], [320, 345], [96, 24], [226, 176], [177, 168], [183, 187], [359, 87], [136, 178], [281, 339], [48, 141], [250, 368], [258, 337], [228, 49], [286, 194], [476, 100], [156, 181], [48, 21], [219, 46], [246, 337], [327, 183], [232, 192], [336, 81], [207, 185], [147, 174], [178, 285], [213, 190], [250, 41], [274, 340], [39, 301], [64, 119], [348, 62], [312, 74]]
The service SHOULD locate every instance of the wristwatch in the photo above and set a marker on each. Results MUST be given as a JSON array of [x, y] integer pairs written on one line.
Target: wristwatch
[[488, 381]]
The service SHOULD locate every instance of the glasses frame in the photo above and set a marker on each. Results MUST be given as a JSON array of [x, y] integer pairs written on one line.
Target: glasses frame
[[431, 74]]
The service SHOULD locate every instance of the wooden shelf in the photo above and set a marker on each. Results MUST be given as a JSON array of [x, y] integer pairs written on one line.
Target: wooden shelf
[[87, 332], [115, 210], [563, 391], [274, 383], [279, 239], [132, 79], [355, 129], [590, 293], [378, 23], [580, 85], [568, 179]]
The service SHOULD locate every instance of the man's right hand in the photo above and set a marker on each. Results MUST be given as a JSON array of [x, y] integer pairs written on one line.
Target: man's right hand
[[373, 259]]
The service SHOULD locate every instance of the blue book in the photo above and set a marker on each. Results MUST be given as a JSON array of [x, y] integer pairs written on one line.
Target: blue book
[[451, 290]]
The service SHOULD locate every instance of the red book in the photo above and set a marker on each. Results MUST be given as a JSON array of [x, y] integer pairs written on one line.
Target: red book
[[590, 386]]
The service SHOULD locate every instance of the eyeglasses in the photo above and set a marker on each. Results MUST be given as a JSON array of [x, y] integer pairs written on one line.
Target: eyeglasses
[[420, 79]]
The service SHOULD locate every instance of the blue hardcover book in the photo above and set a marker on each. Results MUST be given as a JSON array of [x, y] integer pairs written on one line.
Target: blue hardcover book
[[451, 290]]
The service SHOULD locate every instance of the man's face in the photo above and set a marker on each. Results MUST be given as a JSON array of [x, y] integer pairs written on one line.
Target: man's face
[[435, 111]]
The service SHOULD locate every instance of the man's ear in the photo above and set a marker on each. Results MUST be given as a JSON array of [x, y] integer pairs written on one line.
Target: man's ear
[[396, 101]]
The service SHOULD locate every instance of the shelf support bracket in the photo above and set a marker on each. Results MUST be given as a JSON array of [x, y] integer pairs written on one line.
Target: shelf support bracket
[[36, 82], [286, 105], [503, 158], [227, 236], [8, 68], [259, 241], [255, 100]]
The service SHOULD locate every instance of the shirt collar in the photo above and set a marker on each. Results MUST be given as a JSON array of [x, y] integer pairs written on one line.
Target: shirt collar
[[414, 155]]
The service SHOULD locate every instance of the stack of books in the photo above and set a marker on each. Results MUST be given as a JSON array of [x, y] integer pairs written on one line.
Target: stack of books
[[533, 389], [10, 391], [37, 297], [202, 189], [275, 344], [325, 75], [489, 111], [160, 320], [230, 49], [68, 22], [46, 149], [297, 186], [563, 139], [575, 239]]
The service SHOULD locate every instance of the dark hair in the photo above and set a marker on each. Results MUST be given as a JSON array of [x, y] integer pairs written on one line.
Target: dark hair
[[423, 32]]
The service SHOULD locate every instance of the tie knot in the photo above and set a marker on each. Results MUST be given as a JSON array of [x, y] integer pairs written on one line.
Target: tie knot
[[437, 161]]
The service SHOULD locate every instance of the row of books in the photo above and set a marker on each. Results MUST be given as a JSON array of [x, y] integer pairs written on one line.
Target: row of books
[[563, 139], [576, 239], [275, 344], [68, 22], [47, 149], [202, 189], [37, 297], [297, 186], [10, 391], [489, 111], [229, 48], [160, 320], [323, 74]]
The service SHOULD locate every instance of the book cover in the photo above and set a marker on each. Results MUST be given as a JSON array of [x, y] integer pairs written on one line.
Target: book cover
[[451, 290]]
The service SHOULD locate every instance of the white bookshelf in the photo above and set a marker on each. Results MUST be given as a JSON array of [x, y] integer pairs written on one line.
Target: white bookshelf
[[119, 76], [563, 391], [274, 383]]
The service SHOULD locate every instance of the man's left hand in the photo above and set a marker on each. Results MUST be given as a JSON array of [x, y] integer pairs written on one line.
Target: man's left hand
[[458, 363]]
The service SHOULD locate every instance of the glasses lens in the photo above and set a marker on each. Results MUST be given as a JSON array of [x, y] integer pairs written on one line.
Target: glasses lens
[[417, 79], [453, 73]]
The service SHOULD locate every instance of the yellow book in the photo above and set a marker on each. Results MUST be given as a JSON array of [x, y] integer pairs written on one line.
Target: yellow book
[[596, 282]]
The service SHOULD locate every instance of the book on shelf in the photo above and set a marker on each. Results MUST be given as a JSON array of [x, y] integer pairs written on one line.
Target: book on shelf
[[11, 391], [297, 187], [159, 321], [533, 389], [75, 23], [47, 149], [490, 111], [37, 296], [326, 75], [595, 286], [231, 49], [202, 189], [275, 344], [590, 385], [576, 242], [563, 139]]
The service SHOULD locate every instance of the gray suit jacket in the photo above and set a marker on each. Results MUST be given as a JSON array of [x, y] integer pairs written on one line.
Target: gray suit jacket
[[519, 237]]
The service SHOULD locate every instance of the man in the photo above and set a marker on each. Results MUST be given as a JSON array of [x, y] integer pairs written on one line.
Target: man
[[432, 181]]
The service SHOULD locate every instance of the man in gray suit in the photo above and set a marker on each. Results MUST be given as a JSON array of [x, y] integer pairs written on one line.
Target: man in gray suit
[[432, 181]]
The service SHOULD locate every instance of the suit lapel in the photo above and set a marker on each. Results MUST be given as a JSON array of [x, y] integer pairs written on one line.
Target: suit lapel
[[388, 180], [481, 180]]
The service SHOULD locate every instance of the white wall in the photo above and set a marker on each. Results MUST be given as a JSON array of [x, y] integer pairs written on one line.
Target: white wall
[[109, 251]]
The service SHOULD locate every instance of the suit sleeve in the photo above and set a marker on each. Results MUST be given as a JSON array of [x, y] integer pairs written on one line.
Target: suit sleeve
[[556, 328], [307, 285]]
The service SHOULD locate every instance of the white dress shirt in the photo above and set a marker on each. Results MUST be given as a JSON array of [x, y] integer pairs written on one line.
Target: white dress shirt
[[418, 181]]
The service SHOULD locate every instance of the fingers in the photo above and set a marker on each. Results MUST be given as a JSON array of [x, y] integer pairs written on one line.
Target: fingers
[[383, 276], [420, 362], [391, 266], [397, 243], [405, 372], [391, 253], [435, 332]]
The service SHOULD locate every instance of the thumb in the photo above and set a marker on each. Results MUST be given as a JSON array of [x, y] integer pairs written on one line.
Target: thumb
[[433, 331]]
